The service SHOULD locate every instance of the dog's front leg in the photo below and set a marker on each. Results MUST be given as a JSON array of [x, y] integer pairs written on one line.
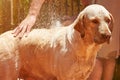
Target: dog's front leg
[[8, 70]]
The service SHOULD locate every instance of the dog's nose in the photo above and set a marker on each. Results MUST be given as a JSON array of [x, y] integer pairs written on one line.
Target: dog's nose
[[108, 32], [104, 29], [106, 36]]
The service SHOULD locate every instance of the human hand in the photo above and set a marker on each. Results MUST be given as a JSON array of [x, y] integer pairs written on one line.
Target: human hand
[[24, 27]]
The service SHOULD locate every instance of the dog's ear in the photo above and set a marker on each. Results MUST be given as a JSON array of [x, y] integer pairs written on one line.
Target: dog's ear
[[111, 23], [79, 24], [111, 26]]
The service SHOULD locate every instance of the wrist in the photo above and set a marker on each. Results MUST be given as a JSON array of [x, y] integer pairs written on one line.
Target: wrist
[[32, 15]]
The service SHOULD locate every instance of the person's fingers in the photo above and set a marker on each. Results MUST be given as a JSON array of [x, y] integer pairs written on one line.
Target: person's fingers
[[28, 30], [24, 27], [20, 35], [17, 31], [14, 30], [18, 28]]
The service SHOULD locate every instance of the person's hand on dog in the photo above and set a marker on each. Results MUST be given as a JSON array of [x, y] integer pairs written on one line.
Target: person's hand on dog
[[25, 26]]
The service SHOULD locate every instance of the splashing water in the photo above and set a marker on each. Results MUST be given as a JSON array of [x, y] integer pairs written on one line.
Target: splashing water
[[48, 15], [54, 10]]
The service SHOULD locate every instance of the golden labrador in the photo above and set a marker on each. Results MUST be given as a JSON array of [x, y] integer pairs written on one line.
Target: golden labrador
[[61, 53]]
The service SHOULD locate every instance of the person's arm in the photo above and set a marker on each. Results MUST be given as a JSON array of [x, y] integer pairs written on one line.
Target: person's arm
[[35, 7], [25, 26]]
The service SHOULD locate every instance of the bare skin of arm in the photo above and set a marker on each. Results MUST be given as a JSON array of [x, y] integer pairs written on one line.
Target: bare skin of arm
[[25, 26]]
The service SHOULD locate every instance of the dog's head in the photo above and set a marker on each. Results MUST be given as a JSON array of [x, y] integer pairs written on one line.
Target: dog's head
[[95, 22]]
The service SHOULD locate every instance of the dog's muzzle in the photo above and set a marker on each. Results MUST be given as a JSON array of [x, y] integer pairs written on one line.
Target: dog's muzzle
[[103, 36], [106, 38]]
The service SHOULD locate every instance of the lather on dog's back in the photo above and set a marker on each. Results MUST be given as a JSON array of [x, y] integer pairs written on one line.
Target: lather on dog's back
[[62, 53]]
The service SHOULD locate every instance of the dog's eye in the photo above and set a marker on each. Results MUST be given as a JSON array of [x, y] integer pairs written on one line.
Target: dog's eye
[[95, 21], [107, 20]]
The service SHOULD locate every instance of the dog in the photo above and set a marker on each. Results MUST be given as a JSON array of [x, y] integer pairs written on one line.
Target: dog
[[61, 53]]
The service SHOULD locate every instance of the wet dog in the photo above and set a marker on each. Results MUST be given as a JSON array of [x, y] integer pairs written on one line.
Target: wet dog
[[61, 53]]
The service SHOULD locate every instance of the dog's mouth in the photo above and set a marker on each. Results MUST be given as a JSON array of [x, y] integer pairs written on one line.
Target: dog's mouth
[[102, 39]]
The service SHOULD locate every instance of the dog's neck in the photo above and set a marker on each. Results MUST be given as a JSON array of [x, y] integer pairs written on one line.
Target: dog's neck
[[88, 39], [85, 47]]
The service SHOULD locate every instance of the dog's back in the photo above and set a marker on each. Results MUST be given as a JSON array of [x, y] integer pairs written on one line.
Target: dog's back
[[38, 54], [46, 51]]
